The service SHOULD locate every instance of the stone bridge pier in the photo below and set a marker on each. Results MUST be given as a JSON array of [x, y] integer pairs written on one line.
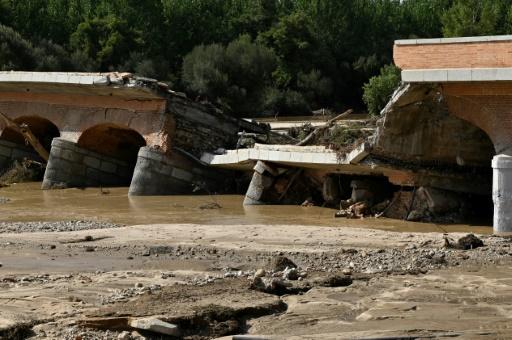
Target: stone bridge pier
[[473, 76]]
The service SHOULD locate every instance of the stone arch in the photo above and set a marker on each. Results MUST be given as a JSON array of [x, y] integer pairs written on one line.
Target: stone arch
[[42, 128], [113, 140]]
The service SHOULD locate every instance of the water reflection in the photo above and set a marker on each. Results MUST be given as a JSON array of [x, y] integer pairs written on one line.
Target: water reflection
[[29, 203]]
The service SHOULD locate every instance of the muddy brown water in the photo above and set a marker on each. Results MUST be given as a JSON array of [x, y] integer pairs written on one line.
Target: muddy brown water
[[29, 203]]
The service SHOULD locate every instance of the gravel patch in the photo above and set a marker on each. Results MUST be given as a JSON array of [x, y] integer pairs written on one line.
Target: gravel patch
[[59, 226]]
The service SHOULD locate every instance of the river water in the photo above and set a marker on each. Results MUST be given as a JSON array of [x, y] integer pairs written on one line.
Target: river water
[[29, 203]]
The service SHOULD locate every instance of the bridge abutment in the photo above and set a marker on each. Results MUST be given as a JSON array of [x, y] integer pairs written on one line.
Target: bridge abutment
[[72, 166]]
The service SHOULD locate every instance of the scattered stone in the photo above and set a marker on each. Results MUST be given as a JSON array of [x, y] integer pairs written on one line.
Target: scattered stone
[[53, 246], [88, 238], [470, 241], [89, 249], [124, 336], [129, 258], [154, 325], [280, 263], [59, 226], [272, 285], [290, 274], [260, 273], [139, 285], [347, 271]]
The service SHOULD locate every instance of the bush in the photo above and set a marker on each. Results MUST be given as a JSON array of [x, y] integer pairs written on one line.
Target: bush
[[16, 53], [236, 75], [379, 89]]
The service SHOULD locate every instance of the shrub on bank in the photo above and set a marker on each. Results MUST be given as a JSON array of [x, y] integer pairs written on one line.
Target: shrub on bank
[[379, 89]]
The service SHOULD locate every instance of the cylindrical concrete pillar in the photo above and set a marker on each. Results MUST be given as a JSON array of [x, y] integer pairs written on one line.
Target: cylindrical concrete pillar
[[502, 193], [262, 180]]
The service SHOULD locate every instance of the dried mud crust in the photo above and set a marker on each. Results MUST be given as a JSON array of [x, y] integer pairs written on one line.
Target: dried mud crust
[[201, 312]]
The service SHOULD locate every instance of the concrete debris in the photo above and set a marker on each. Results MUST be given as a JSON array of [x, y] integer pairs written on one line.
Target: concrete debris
[[290, 274], [155, 325], [124, 336]]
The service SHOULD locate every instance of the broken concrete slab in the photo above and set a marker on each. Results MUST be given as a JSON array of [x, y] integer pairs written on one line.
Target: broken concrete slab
[[156, 325]]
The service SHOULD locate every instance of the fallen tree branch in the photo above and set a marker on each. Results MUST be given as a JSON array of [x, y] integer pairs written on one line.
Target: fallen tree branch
[[321, 128], [24, 130]]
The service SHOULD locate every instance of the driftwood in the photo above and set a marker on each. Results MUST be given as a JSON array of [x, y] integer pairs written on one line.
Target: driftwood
[[320, 129], [24, 130]]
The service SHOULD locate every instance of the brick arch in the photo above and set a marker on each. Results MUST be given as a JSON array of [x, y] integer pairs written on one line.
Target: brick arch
[[113, 140], [477, 112], [44, 129]]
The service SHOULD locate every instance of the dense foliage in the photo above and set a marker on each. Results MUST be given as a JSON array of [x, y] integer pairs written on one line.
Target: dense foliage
[[247, 56], [379, 89]]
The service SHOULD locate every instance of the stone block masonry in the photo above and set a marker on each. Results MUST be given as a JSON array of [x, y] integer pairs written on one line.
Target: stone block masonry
[[73, 166], [157, 173], [10, 151]]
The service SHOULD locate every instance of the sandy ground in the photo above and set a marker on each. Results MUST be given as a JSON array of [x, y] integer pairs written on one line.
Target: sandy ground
[[87, 284]]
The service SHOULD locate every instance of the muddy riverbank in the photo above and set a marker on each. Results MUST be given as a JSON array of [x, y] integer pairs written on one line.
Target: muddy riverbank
[[80, 284], [84, 264]]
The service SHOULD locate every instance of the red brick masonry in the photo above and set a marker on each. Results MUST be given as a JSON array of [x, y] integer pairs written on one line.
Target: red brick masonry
[[488, 54]]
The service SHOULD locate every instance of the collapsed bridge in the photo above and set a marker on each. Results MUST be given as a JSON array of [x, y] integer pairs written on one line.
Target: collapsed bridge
[[114, 129]]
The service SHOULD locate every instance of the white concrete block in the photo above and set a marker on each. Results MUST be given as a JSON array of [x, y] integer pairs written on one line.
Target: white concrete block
[[459, 75], [296, 157], [254, 154], [62, 78], [307, 157], [435, 75], [284, 156], [273, 155], [412, 76], [243, 155], [484, 74], [318, 158], [504, 74], [264, 155]]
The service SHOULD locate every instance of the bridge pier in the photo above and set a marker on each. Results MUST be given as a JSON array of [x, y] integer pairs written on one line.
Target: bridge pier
[[72, 166], [502, 193], [157, 173], [261, 184], [10, 151]]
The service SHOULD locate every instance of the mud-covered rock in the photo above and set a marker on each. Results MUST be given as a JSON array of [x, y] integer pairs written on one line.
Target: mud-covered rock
[[333, 281], [469, 241], [280, 263]]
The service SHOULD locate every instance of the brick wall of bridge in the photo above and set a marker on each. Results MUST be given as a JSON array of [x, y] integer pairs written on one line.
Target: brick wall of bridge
[[488, 54]]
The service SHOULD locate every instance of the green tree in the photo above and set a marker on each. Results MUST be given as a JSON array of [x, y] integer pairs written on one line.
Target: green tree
[[107, 40], [379, 89], [475, 17], [235, 76]]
